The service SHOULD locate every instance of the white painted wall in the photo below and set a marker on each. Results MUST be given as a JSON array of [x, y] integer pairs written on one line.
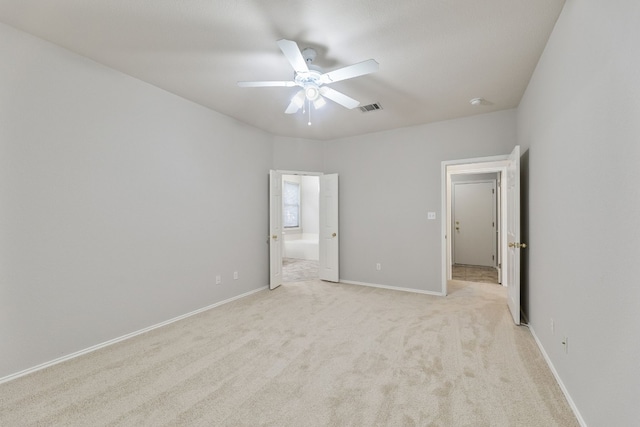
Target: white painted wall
[[120, 203], [579, 125], [297, 154], [388, 183], [310, 199]]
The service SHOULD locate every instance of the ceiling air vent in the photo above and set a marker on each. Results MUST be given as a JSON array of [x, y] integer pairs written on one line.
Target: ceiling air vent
[[370, 107]]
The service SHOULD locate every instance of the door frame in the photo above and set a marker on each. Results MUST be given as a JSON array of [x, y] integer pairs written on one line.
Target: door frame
[[281, 173], [466, 167]]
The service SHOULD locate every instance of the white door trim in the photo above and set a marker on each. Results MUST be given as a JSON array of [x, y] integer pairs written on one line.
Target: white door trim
[[302, 173], [466, 166]]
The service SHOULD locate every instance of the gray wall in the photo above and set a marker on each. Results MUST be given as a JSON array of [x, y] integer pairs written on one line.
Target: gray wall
[[295, 154], [120, 204], [580, 122], [388, 183]]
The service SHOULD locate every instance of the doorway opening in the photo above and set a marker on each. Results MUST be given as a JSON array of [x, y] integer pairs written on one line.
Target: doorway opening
[[457, 174], [301, 227], [328, 229], [508, 243], [476, 227]]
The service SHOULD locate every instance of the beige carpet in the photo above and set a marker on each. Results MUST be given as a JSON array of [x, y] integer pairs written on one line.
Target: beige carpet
[[299, 270], [309, 354]]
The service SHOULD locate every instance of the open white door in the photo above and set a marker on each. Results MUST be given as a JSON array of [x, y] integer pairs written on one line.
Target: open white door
[[275, 229], [513, 234], [329, 237]]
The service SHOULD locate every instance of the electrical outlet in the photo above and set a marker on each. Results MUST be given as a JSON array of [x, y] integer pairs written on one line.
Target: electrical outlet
[[553, 327], [235, 275], [218, 280], [378, 266], [431, 215]]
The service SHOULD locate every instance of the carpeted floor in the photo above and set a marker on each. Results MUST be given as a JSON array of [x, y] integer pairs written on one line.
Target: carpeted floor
[[298, 270], [309, 354]]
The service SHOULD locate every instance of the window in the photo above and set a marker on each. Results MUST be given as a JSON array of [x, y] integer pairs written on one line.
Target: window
[[291, 208]]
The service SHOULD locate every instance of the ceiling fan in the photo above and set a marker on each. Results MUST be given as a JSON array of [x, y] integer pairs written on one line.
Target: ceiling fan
[[312, 80]]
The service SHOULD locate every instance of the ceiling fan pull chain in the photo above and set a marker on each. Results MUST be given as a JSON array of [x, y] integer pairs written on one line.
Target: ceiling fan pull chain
[[309, 108]]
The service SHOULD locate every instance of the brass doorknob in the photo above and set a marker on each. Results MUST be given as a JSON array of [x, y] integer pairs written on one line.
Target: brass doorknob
[[275, 237], [458, 228], [334, 235], [517, 245]]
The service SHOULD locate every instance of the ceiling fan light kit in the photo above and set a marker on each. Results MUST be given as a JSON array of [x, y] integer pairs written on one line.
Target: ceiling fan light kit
[[311, 91], [312, 81], [476, 101], [319, 102]]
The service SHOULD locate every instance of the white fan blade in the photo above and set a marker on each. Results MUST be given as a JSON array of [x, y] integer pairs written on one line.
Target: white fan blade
[[295, 58], [289, 83], [296, 103], [339, 97], [350, 71]]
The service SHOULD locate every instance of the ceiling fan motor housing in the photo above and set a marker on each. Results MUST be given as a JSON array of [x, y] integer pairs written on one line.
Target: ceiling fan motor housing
[[310, 80], [309, 54]]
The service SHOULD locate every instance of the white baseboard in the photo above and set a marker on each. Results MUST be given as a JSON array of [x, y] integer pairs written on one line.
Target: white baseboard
[[393, 288], [122, 338], [573, 406]]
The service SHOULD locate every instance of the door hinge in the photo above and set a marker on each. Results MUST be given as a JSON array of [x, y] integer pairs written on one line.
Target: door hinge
[[493, 191], [493, 257]]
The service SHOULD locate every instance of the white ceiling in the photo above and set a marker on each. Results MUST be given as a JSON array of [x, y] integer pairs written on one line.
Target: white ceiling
[[434, 55]]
